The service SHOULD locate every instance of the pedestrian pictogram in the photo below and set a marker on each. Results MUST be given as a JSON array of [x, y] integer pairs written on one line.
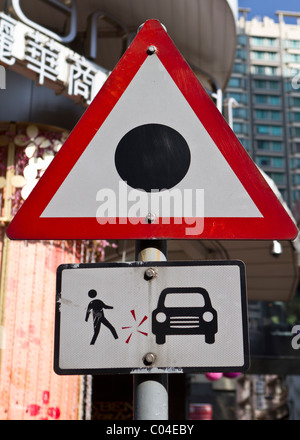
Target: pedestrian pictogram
[[96, 307], [152, 157]]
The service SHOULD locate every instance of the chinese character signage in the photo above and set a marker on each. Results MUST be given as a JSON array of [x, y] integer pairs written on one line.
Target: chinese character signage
[[51, 63]]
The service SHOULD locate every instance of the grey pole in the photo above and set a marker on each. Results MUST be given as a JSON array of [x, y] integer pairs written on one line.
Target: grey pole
[[150, 391]]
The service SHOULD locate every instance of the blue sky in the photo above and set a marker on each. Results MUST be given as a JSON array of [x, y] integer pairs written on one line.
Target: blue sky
[[268, 7]]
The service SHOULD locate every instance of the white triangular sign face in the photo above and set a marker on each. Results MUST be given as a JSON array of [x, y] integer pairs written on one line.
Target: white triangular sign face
[[152, 157], [91, 180]]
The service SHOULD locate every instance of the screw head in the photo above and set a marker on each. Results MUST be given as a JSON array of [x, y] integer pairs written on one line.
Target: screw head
[[149, 359], [150, 218], [150, 273], [151, 50]]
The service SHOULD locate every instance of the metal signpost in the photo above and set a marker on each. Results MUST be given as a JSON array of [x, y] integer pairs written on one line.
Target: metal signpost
[[144, 163]]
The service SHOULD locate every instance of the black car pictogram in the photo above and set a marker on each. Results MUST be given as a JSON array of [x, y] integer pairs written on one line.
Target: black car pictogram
[[184, 311]]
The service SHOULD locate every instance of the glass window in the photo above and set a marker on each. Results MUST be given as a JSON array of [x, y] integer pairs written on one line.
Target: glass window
[[290, 72], [295, 195], [257, 55], [273, 130], [261, 99], [277, 162], [294, 116], [259, 70], [292, 58], [292, 43], [264, 84], [242, 39], [239, 97], [241, 54], [260, 83], [245, 143], [264, 70], [262, 129], [295, 163], [263, 161], [274, 162], [296, 179], [274, 85], [263, 41], [276, 130], [267, 99], [274, 100], [267, 56], [241, 113], [273, 115], [276, 146], [294, 102], [239, 68], [234, 82], [278, 178], [240, 128], [264, 145]]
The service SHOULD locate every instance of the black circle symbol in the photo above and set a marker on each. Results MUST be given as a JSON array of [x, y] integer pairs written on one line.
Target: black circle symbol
[[152, 157]]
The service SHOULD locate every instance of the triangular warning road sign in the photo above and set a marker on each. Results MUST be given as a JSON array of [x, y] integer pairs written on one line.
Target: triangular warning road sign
[[152, 157]]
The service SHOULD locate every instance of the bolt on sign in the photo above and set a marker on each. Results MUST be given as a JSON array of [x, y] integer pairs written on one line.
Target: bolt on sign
[[158, 317]]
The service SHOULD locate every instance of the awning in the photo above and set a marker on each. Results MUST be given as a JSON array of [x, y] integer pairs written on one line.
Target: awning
[[203, 30]]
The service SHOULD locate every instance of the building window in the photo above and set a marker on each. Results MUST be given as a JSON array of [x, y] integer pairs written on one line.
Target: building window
[[240, 68], [266, 56], [271, 115], [242, 40], [292, 44], [241, 54], [274, 100], [245, 143], [240, 128], [296, 179], [295, 163], [241, 98], [264, 70], [296, 147], [294, 116], [295, 195], [292, 58], [269, 161], [240, 113], [264, 145], [266, 84], [290, 72], [235, 82], [278, 178], [294, 101], [270, 130], [295, 131], [263, 41], [267, 99]]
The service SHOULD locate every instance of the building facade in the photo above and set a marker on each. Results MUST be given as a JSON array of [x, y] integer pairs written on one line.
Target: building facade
[[266, 86]]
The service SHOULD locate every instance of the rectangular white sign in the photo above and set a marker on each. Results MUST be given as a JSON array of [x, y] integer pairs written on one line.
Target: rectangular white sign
[[151, 317]]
